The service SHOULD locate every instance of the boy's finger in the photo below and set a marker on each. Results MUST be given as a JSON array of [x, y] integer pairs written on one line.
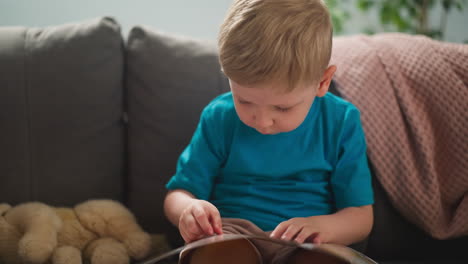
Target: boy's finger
[[202, 220], [279, 230], [190, 229], [317, 239], [216, 222], [305, 235], [290, 232]]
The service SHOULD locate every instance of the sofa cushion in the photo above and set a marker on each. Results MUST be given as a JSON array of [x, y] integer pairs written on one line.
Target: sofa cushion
[[60, 112], [169, 79], [394, 237]]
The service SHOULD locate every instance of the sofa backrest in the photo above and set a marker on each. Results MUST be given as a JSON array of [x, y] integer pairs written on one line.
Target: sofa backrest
[[169, 80], [61, 102]]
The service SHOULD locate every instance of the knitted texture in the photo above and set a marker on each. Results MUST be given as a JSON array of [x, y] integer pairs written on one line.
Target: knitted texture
[[413, 97]]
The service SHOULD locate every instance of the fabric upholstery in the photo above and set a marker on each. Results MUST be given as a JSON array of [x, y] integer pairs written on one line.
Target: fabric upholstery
[[60, 113], [393, 237], [169, 79]]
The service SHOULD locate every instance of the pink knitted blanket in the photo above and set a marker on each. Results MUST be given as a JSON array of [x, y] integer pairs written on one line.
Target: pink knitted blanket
[[413, 96]]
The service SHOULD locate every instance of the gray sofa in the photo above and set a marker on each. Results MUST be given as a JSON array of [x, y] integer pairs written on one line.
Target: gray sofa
[[86, 113]]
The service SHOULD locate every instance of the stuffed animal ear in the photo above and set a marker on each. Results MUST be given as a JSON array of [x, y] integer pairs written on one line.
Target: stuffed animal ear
[[4, 207]]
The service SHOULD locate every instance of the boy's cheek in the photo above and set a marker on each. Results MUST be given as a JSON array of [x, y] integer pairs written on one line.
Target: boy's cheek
[[244, 117]]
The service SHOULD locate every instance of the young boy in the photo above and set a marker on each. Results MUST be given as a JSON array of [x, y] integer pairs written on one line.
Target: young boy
[[277, 155]]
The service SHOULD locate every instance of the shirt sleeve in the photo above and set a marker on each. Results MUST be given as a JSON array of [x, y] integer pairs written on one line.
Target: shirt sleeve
[[351, 178], [201, 160]]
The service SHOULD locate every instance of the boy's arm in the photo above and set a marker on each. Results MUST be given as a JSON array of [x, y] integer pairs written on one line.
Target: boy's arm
[[195, 218], [352, 224], [347, 226], [175, 203], [186, 204]]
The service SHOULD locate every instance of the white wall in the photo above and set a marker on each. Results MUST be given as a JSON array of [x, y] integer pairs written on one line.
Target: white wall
[[195, 18]]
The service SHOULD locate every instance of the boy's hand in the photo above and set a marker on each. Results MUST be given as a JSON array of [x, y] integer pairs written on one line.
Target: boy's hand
[[302, 229], [348, 225], [198, 220]]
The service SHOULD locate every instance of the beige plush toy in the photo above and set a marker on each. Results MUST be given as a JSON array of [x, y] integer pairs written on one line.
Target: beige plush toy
[[98, 231]]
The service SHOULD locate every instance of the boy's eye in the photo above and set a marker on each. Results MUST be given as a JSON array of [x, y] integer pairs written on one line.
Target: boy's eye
[[243, 102], [282, 109]]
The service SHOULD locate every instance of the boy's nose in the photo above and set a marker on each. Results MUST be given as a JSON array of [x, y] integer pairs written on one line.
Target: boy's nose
[[262, 120]]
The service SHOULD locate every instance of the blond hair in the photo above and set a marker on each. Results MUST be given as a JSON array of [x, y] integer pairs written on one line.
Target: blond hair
[[264, 41]]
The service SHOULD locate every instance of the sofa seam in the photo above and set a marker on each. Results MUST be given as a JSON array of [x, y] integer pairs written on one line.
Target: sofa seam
[[27, 109]]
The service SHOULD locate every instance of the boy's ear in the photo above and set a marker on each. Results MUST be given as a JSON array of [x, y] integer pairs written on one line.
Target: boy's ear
[[326, 80]]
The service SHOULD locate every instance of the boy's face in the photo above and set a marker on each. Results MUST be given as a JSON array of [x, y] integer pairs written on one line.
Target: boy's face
[[271, 112]]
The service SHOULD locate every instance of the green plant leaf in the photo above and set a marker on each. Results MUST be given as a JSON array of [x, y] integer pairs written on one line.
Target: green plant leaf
[[385, 13], [369, 31], [365, 5], [339, 16], [447, 4], [436, 34], [408, 15], [459, 4], [401, 23], [412, 11]]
